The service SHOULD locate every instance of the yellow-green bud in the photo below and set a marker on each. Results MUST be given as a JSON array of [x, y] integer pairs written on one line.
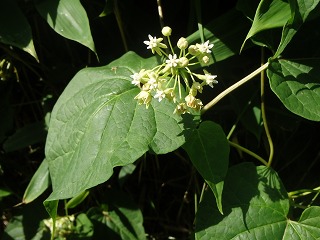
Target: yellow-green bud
[[205, 59], [182, 43], [166, 31], [183, 62], [193, 50]]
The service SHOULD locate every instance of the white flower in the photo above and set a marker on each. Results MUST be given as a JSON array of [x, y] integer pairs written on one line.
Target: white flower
[[210, 79], [172, 61], [153, 80], [160, 95], [204, 47], [155, 44], [136, 79]]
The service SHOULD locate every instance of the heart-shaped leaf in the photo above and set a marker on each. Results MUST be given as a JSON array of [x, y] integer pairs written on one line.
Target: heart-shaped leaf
[[297, 85], [97, 124], [255, 207]]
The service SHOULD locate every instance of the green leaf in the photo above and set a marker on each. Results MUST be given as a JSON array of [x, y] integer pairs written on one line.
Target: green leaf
[[300, 11], [27, 135], [84, 227], [38, 184], [297, 85], [69, 19], [75, 201], [270, 14], [255, 206], [14, 27], [4, 193], [208, 150], [52, 209], [308, 226], [97, 124], [119, 219], [226, 33], [27, 223]]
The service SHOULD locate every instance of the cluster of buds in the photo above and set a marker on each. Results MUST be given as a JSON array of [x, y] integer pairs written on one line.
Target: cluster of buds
[[64, 226], [164, 81]]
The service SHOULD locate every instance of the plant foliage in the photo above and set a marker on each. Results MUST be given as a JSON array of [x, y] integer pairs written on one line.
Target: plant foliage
[[100, 139]]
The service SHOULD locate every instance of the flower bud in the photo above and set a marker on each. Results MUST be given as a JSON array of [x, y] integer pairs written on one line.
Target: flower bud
[[166, 31], [205, 59], [182, 43], [183, 62], [193, 50]]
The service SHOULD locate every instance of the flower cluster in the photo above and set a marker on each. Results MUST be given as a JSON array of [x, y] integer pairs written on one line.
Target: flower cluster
[[164, 81]]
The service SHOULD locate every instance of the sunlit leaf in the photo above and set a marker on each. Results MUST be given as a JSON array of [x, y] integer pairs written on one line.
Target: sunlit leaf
[[38, 184], [97, 124], [296, 83], [255, 206], [69, 19]]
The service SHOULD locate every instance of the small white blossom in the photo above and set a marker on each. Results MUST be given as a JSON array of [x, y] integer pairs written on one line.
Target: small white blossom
[[160, 95], [153, 80], [155, 44], [172, 61], [204, 47], [136, 79], [210, 79]]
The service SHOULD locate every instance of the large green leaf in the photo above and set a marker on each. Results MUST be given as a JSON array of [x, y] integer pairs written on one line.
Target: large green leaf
[[69, 19], [97, 124], [208, 150], [297, 85], [14, 27], [256, 207], [300, 11], [270, 14]]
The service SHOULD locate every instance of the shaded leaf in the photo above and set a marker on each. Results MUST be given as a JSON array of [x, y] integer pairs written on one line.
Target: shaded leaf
[[300, 11], [4, 193], [269, 14], [38, 184], [297, 85], [226, 33], [14, 27], [119, 218], [75, 201], [69, 19], [97, 124], [27, 135], [208, 150]]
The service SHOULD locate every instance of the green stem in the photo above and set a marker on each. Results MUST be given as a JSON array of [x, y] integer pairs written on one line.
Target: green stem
[[233, 87], [264, 118], [256, 156]]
